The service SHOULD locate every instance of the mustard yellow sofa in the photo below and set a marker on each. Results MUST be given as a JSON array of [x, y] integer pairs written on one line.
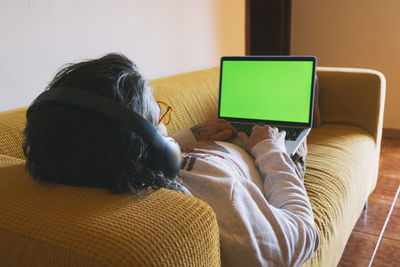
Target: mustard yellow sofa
[[57, 225]]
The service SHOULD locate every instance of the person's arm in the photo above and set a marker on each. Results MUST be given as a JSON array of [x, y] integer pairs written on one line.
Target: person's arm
[[289, 211], [213, 130]]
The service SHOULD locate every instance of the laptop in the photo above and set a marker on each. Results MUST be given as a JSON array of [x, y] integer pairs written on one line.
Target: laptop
[[269, 90]]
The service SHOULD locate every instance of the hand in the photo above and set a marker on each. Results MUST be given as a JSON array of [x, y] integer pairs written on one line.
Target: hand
[[213, 130], [258, 134]]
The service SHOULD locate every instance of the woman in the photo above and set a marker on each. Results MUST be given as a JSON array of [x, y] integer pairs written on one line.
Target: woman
[[262, 208]]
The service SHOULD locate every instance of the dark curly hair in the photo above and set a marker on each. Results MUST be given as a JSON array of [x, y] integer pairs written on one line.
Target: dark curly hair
[[74, 146]]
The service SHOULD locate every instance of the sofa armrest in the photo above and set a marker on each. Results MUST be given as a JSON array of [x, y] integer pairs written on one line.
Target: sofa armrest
[[12, 125], [352, 96]]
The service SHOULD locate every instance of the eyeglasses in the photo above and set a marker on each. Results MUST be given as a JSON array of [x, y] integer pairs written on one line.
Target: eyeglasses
[[166, 110]]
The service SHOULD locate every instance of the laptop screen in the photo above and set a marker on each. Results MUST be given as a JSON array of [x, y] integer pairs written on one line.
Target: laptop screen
[[273, 89]]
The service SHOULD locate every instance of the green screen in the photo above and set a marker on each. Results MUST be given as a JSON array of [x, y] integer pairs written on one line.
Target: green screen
[[266, 90]]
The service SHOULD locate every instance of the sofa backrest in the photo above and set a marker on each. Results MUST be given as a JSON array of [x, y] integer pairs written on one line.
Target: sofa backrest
[[12, 124], [193, 97]]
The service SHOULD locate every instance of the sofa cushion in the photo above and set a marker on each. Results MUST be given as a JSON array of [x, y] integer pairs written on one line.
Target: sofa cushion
[[338, 180]]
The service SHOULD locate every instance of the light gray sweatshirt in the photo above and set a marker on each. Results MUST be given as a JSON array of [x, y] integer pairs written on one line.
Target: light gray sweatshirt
[[263, 212]]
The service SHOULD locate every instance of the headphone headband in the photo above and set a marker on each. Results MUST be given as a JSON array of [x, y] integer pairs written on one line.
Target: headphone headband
[[165, 152], [102, 105]]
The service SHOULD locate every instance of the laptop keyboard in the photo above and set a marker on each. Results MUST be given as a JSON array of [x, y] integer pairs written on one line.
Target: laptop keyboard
[[291, 133]]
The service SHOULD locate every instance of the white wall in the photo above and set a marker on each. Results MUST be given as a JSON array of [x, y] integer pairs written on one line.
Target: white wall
[[356, 33], [163, 37]]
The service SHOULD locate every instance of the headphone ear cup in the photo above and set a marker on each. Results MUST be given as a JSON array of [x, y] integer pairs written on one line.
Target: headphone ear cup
[[165, 155], [172, 157]]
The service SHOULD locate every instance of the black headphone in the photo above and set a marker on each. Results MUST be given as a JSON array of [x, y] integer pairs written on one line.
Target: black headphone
[[165, 153]]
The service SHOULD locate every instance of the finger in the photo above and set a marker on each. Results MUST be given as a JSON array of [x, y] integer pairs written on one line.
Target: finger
[[235, 131], [276, 131], [269, 128], [223, 135], [224, 122], [256, 127], [243, 137], [282, 134]]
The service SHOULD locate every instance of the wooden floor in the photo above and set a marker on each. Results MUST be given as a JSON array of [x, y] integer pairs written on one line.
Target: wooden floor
[[364, 238]]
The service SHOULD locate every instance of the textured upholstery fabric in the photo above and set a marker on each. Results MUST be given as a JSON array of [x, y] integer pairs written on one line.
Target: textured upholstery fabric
[[338, 181], [193, 97], [353, 96], [59, 225], [12, 123]]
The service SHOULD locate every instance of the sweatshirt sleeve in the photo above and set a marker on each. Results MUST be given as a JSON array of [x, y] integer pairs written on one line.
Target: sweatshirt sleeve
[[291, 214], [184, 137], [265, 224]]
